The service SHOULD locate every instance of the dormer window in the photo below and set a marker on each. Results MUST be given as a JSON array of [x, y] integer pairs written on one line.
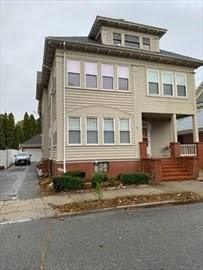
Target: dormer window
[[146, 43], [116, 39], [132, 41]]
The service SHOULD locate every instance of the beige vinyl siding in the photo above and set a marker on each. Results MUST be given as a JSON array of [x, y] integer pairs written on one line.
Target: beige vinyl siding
[[85, 102], [161, 104]]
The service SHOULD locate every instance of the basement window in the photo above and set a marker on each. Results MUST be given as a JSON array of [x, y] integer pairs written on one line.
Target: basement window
[[102, 167]]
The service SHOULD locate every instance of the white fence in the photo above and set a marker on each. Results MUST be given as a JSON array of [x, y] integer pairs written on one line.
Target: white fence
[[188, 150], [7, 157]]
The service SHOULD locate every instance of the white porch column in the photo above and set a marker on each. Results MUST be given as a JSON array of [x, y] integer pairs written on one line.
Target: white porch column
[[195, 128], [174, 128]]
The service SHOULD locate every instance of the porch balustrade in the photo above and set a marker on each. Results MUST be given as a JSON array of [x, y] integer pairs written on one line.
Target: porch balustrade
[[188, 150]]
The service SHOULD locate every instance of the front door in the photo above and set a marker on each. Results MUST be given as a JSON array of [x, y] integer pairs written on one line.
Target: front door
[[146, 135]]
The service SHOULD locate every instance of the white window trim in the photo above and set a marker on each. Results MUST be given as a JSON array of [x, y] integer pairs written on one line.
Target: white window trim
[[162, 84], [89, 144], [97, 76], [71, 86], [119, 130], [107, 89], [74, 144], [117, 79], [113, 130], [176, 88], [148, 93]]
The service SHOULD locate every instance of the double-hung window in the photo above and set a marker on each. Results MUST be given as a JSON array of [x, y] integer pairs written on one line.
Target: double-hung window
[[181, 85], [146, 43], [153, 82], [116, 39], [74, 130], [124, 131], [132, 41], [123, 77], [91, 74], [109, 131], [107, 76], [167, 82], [92, 130], [73, 68]]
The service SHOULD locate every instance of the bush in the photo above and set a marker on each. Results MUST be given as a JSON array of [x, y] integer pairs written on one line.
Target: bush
[[75, 173], [134, 178], [67, 182], [99, 178]]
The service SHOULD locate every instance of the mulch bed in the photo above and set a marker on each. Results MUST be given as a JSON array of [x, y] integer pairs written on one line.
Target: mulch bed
[[130, 200]]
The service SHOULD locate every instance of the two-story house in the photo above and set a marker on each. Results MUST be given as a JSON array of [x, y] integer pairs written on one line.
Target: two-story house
[[109, 102]]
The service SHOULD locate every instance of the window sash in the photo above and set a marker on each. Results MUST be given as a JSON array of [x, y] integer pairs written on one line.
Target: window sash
[[153, 88], [168, 89], [91, 68], [122, 84], [125, 137], [92, 137], [123, 72], [153, 76], [74, 123], [132, 41], [146, 41], [74, 130], [109, 131], [124, 125], [116, 38], [74, 79], [107, 82], [107, 70], [73, 66], [91, 81], [181, 90], [181, 85]]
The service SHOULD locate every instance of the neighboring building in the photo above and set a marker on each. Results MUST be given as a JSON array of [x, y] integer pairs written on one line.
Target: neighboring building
[[185, 134], [33, 146], [109, 102]]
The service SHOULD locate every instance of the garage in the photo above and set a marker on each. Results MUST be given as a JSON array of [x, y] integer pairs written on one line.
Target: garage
[[33, 146]]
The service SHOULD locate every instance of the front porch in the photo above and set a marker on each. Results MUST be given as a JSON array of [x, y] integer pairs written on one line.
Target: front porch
[[162, 155]]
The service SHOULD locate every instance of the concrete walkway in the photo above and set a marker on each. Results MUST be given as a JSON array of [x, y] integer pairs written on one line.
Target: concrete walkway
[[24, 210]]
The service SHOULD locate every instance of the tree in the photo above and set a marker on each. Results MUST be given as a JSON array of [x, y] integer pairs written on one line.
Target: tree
[[2, 133], [33, 125], [10, 138], [26, 127], [18, 136]]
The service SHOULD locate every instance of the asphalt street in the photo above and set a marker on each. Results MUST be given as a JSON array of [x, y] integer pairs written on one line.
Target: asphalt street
[[167, 238], [19, 182]]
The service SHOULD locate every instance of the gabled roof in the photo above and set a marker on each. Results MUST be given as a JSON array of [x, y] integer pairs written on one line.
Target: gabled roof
[[123, 24], [34, 142]]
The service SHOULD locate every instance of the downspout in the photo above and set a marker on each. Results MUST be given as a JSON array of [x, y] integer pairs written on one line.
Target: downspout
[[64, 107]]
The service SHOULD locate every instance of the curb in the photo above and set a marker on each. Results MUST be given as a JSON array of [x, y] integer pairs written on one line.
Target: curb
[[130, 206]]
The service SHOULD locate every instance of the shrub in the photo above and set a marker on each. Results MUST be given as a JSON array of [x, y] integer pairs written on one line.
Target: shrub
[[99, 178], [134, 178], [67, 182], [76, 173]]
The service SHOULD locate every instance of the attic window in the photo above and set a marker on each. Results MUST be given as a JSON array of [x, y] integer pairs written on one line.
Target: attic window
[[116, 39], [132, 41], [146, 41]]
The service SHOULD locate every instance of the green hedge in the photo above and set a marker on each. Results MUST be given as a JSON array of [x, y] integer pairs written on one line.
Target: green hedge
[[134, 178], [67, 182], [99, 178], [75, 173]]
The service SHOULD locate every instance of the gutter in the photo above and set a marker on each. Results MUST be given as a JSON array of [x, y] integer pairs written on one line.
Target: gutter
[[64, 107]]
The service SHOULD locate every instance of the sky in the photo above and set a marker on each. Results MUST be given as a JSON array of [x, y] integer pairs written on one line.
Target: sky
[[25, 24]]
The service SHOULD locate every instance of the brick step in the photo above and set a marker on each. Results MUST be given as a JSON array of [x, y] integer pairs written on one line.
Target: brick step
[[175, 178], [173, 169], [174, 174], [172, 166]]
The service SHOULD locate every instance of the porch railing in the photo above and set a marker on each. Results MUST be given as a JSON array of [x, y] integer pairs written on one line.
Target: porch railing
[[188, 150]]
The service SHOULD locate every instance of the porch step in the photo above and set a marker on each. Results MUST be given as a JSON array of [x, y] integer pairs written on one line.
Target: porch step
[[177, 178], [174, 171]]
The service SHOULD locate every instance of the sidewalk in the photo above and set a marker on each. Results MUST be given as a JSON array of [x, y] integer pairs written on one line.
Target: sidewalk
[[24, 210]]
